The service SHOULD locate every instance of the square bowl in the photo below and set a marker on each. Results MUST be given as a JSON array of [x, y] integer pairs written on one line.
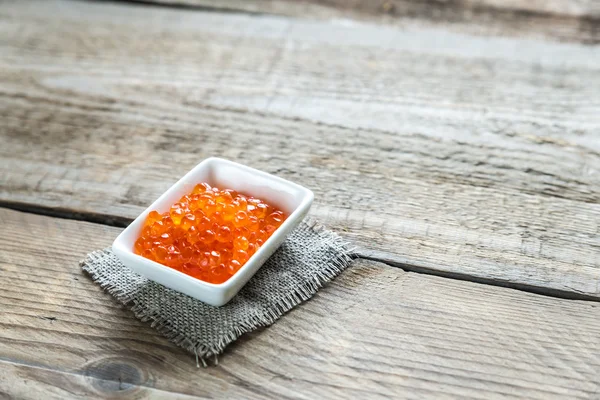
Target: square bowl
[[289, 197]]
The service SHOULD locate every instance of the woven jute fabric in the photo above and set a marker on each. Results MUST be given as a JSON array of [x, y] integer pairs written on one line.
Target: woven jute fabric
[[310, 257]]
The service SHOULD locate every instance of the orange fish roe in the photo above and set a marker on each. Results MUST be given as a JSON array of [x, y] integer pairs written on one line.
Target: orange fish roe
[[209, 233]]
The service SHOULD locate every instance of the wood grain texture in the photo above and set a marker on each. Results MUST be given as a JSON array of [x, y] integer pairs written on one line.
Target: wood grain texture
[[574, 20], [453, 154], [375, 332]]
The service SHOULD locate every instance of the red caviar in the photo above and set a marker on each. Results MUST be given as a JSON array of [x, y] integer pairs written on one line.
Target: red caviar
[[209, 233]]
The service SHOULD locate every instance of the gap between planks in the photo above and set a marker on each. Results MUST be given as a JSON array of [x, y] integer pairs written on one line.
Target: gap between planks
[[392, 8], [383, 257], [578, 23], [183, 5]]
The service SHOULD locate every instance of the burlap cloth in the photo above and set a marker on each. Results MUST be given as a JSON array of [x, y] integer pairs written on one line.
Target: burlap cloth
[[310, 257]]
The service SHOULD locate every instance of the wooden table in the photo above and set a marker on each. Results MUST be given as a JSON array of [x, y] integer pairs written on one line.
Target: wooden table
[[456, 143]]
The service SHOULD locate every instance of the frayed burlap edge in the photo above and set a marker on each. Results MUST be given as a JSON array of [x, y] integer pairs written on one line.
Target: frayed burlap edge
[[270, 314]]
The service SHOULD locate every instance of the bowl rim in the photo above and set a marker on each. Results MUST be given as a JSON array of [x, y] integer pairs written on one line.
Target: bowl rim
[[119, 246]]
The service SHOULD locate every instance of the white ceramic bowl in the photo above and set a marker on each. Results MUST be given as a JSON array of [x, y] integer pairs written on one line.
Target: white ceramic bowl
[[289, 197]]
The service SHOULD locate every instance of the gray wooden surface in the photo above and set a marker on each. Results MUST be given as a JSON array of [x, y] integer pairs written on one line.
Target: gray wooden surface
[[458, 155], [456, 139], [375, 332]]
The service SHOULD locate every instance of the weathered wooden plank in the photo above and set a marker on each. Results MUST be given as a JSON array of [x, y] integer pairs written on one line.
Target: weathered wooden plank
[[448, 153], [375, 332], [558, 20]]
